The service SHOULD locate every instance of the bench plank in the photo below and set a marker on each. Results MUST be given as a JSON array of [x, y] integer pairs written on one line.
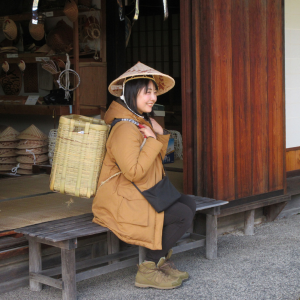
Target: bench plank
[[51, 224], [89, 230], [64, 229]]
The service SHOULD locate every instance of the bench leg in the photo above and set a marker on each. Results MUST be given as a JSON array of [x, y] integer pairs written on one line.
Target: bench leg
[[142, 254], [113, 245], [35, 263], [211, 236], [249, 222], [68, 269]]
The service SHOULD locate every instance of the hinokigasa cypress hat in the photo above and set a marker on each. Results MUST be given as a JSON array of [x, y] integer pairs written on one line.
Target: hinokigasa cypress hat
[[32, 133], [164, 82], [9, 135]]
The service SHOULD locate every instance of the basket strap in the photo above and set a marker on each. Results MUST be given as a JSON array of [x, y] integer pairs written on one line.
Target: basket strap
[[63, 175], [82, 154]]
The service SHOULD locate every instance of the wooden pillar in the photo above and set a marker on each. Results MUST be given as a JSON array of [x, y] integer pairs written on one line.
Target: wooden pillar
[[35, 263], [115, 43], [68, 269], [76, 64], [142, 254], [249, 222], [212, 232], [113, 244]]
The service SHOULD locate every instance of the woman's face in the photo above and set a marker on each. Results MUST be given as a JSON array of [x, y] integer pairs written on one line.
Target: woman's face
[[145, 100]]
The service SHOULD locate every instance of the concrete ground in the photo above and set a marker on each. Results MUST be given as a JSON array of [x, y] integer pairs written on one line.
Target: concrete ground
[[263, 266]]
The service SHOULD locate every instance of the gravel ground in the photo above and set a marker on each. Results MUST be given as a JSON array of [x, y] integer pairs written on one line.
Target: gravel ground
[[263, 266]]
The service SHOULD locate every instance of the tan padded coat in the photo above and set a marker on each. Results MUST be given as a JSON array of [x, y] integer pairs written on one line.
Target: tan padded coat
[[118, 205]]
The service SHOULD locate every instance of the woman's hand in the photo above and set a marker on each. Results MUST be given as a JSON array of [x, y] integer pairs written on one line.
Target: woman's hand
[[156, 127], [146, 131]]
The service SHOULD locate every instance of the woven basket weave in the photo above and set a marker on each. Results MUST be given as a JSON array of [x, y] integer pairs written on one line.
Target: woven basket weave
[[79, 153]]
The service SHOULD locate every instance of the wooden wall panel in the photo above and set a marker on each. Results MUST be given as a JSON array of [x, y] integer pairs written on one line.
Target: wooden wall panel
[[236, 101], [241, 98], [258, 94], [292, 160], [275, 27], [221, 101], [187, 95], [207, 184]]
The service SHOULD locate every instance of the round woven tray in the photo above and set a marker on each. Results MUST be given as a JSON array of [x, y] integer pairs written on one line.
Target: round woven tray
[[7, 152], [39, 150], [29, 144], [5, 145], [6, 167], [8, 160], [28, 159]]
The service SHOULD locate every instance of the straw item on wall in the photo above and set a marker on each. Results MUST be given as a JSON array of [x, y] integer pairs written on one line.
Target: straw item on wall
[[10, 29], [11, 81], [78, 156], [60, 39], [71, 10]]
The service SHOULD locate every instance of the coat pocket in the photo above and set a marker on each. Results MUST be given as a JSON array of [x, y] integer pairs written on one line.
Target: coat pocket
[[132, 210]]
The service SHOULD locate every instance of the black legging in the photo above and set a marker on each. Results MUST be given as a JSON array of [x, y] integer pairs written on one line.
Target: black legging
[[177, 220]]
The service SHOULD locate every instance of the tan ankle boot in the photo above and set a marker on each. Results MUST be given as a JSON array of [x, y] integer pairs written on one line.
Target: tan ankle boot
[[169, 268], [150, 275]]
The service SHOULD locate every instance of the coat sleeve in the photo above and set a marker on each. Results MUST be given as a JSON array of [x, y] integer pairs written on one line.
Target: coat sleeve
[[125, 147], [164, 139]]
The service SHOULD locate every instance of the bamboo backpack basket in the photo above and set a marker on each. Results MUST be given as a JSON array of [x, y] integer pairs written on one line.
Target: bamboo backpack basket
[[78, 156]]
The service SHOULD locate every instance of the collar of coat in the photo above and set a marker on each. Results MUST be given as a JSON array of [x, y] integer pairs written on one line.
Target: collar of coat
[[119, 111]]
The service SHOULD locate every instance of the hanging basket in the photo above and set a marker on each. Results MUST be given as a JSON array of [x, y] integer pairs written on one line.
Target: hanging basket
[[79, 153]]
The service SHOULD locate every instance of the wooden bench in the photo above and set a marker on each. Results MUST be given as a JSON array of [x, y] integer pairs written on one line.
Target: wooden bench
[[64, 233]]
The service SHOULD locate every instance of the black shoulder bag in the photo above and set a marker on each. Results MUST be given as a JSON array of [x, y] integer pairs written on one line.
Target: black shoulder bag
[[163, 194]]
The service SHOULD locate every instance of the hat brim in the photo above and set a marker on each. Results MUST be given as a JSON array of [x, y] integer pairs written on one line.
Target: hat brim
[[164, 82]]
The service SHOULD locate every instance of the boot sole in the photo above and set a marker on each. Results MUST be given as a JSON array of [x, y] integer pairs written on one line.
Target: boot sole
[[141, 285]]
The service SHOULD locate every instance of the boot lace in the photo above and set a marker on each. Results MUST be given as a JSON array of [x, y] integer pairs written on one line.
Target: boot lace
[[157, 273]]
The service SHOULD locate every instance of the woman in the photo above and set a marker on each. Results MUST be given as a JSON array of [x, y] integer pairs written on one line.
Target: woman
[[130, 157]]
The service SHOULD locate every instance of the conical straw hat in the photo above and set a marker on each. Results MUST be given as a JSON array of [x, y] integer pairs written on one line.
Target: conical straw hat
[[28, 166], [30, 144], [9, 144], [6, 167], [163, 81], [7, 152], [8, 160], [24, 172], [29, 159], [38, 150], [32, 133], [9, 134]]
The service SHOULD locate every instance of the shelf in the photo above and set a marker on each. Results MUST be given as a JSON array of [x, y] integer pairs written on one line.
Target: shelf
[[45, 110], [36, 58], [49, 14]]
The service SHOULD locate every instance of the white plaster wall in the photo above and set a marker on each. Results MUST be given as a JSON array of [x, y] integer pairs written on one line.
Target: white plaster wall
[[292, 72]]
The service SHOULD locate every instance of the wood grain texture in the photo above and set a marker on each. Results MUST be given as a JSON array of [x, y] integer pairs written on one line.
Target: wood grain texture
[[292, 160], [276, 102], [236, 100], [241, 98], [187, 96]]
